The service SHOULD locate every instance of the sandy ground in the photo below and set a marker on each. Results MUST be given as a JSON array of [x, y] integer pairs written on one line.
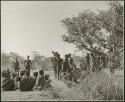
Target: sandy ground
[[34, 95], [61, 89]]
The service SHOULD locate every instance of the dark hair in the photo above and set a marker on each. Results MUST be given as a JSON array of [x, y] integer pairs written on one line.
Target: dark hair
[[47, 76], [35, 74], [111, 49], [22, 72], [91, 54], [66, 55], [41, 72], [69, 54]]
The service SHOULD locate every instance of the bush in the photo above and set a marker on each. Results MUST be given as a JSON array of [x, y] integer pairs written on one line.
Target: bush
[[101, 86]]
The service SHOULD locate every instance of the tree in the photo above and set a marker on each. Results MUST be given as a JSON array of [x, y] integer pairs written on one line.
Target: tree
[[82, 30], [93, 31], [112, 22]]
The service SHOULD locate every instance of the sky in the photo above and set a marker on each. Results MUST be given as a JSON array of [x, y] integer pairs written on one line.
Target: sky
[[28, 26]]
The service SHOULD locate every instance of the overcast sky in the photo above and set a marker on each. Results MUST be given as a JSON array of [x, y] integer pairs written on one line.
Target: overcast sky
[[28, 26]]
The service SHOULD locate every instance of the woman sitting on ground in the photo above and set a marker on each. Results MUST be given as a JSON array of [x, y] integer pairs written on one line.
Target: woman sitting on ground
[[40, 80], [18, 79], [27, 83], [34, 78], [7, 83]]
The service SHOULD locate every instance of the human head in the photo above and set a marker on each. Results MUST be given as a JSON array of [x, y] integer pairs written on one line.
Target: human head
[[87, 54], [52, 51], [47, 77], [91, 54], [111, 49], [69, 54], [28, 57], [66, 56], [35, 74], [41, 72], [22, 72]]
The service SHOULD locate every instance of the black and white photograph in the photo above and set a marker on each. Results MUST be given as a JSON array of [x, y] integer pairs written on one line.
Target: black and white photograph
[[62, 50]]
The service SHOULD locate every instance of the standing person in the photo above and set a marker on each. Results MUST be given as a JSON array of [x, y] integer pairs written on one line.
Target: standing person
[[71, 62], [71, 67], [92, 62], [54, 61], [111, 61], [16, 66], [59, 66], [65, 64], [87, 61], [102, 61], [27, 64]]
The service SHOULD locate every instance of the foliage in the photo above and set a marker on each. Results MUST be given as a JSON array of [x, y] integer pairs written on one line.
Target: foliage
[[82, 30], [5, 61], [112, 21], [100, 86], [97, 32]]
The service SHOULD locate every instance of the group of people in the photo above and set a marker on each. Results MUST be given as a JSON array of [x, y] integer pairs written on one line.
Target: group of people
[[27, 64], [21, 80], [62, 66], [24, 82], [92, 62], [95, 62]]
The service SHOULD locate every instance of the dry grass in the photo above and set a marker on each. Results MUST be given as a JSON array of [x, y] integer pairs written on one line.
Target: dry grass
[[98, 86]]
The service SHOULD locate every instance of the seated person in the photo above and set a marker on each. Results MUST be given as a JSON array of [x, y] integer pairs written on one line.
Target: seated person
[[7, 81], [40, 80], [34, 77], [18, 78], [27, 83], [22, 73], [47, 82]]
